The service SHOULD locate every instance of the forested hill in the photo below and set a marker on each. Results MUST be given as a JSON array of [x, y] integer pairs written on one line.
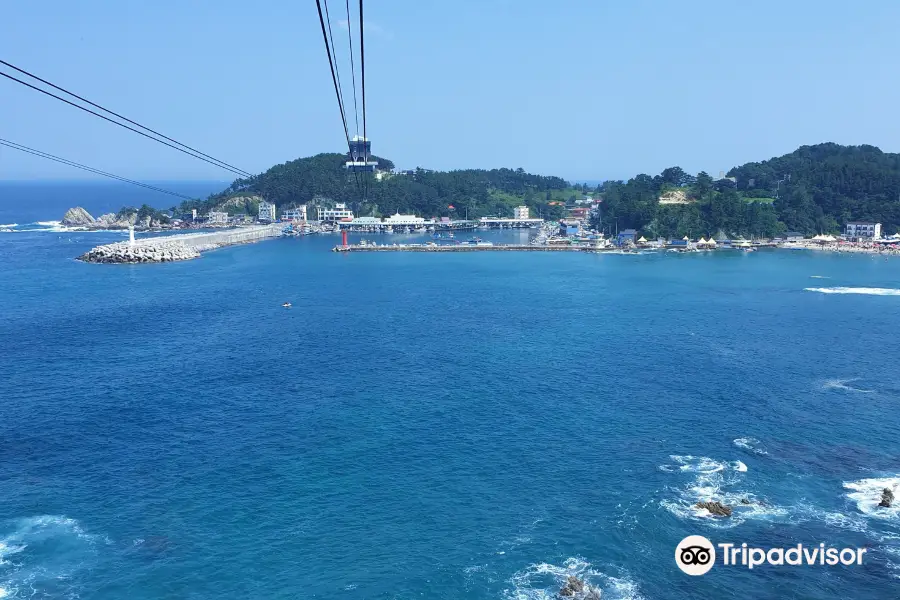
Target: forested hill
[[822, 187], [815, 189], [323, 179]]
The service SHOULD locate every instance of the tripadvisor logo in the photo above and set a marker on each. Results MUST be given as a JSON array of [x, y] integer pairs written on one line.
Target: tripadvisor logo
[[696, 555]]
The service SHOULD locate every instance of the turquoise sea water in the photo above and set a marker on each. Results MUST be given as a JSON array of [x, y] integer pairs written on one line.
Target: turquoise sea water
[[440, 426]]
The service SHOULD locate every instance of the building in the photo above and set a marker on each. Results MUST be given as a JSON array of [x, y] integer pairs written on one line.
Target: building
[[294, 214], [521, 212], [568, 227], [217, 218], [861, 230], [626, 236], [580, 212], [266, 212], [340, 212], [404, 220], [791, 236]]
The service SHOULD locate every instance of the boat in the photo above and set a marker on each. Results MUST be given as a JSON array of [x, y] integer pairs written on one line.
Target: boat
[[286, 305], [742, 245]]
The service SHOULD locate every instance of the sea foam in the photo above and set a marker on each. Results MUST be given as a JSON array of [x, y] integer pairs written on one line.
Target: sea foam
[[866, 494], [841, 384], [714, 480], [32, 568], [856, 290], [543, 581], [750, 444]]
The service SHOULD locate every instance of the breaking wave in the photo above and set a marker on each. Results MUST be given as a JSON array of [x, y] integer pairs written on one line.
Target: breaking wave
[[750, 444], [714, 480], [543, 582], [866, 494], [819, 277], [841, 384], [39, 555], [856, 290]]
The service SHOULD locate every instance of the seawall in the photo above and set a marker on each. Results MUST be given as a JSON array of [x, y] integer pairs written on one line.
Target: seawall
[[177, 247]]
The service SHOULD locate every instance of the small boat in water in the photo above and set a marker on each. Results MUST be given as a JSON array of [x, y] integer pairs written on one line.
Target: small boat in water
[[286, 305]]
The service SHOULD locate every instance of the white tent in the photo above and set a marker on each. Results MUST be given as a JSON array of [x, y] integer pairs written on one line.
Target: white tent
[[711, 242], [642, 240], [828, 238], [701, 242], [686, 239]]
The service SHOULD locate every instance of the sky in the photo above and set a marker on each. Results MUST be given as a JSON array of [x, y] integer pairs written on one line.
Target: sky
[[582, 89]]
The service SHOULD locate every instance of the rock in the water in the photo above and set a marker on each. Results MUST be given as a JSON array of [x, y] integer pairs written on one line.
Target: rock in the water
[[744, 501], [715, 508], [887, 498], [77, 217], [578, 590]]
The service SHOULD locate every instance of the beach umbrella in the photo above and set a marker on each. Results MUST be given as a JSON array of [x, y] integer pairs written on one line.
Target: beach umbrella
[[686, 239]]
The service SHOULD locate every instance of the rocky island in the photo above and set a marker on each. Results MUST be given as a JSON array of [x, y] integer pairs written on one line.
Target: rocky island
[[142, 219]]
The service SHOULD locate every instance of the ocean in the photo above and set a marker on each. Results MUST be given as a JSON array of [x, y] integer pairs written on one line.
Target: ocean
[[474, 426]]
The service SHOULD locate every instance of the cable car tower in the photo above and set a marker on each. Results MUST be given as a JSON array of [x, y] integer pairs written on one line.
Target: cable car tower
[[359, 156]]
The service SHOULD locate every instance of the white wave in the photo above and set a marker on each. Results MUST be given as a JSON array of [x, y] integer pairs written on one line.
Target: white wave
[[543, 582], [866, 493], [856, 290], [29, 538], [892, 552], [750, 444], [49, 223], [714, 480], [8, 225], [841, 384], [819, 277]]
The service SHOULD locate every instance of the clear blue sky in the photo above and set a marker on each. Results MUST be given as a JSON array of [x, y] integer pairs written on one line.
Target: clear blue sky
[[583, 89]]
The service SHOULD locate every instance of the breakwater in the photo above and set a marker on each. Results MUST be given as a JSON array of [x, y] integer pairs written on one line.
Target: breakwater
[[176, 247]]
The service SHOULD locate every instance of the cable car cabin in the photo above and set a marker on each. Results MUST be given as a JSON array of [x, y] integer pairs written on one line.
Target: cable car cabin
[[360, 165], [359, 155]]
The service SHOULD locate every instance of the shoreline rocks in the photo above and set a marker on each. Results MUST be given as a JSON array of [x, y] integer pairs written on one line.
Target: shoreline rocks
[[887, 498], [577, 589], [715, 508]]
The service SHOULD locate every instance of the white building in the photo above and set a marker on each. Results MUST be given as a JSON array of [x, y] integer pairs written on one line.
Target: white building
[[294, 214], [266, 212], [364, 222], [338, 213], [398, 219], [521, 212], [217, 218], [863, 230]]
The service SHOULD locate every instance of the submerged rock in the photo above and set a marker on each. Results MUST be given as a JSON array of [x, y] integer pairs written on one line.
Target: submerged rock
[[887, 498], [77, 217], [578, 590], [715, 508]]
